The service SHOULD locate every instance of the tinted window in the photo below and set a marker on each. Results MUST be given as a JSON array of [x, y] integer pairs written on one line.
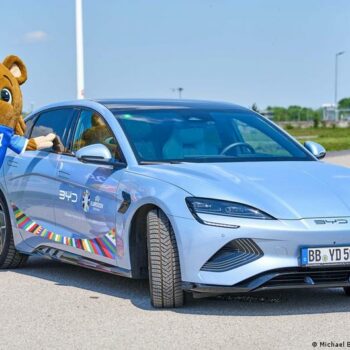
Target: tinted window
[[56, 121], [206, 136], [92, 129]]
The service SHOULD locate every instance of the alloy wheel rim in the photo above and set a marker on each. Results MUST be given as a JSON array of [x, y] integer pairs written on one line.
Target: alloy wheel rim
[[2, 229]]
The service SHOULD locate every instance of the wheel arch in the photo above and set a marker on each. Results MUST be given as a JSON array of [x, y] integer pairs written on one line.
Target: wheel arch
[[138, 239], [19, 243], [11, 257], [8, 204]]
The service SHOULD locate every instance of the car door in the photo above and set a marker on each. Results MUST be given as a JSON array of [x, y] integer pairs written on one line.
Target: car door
[[30, 177], [87, 205]]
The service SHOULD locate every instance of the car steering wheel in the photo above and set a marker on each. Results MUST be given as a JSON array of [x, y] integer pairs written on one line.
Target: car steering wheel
[[237, 144]]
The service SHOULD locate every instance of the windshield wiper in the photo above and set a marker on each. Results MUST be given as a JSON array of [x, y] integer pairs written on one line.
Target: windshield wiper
[[146, 162]]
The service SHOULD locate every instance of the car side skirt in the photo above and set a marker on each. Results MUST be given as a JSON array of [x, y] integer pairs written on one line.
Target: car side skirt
[[78, 260]]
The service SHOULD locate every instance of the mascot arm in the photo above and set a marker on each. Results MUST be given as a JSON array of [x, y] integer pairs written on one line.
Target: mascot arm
[[18, 144], [40, 142], [36, 143]]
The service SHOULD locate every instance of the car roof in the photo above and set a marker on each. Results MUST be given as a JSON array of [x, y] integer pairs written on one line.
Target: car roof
[[114, 104], [134, 104]]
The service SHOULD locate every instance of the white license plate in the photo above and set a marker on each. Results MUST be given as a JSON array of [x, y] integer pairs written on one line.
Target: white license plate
[[325, 256]]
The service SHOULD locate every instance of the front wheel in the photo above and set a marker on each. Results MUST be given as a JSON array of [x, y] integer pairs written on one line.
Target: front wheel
[[347, 291], [10, 258], [163, 262]]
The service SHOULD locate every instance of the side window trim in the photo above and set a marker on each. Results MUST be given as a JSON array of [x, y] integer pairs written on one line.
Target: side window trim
[[32, 119], [72, 126]]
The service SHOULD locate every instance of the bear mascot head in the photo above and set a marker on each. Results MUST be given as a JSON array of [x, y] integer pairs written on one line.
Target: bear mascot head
[[13, 73]]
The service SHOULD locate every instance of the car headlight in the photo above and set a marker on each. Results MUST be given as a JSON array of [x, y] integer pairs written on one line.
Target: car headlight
[[199, 206]]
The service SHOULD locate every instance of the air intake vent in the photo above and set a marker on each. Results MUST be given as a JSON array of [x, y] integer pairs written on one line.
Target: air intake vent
[[234, 254], [311, 276]]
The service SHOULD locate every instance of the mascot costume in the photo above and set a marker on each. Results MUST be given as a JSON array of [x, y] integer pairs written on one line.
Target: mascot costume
[[13, 73]]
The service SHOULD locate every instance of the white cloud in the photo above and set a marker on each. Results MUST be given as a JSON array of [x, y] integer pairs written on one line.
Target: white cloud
[[36, 36]]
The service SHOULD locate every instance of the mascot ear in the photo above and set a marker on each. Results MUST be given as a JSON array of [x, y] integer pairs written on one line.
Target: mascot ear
[[16, 66]]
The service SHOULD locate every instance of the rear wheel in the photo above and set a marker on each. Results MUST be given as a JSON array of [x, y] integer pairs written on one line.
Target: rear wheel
[[9, 257], [347, 291], [163, 262]]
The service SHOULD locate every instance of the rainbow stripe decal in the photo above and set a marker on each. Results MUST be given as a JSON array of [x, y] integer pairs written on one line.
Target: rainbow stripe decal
[[104, 245]]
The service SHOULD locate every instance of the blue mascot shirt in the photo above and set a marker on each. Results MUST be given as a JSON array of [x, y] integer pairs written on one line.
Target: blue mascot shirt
[[16, 143]]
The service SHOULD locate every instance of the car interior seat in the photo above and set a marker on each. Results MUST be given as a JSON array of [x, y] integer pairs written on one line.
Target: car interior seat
[[187, 142], [142, 136]]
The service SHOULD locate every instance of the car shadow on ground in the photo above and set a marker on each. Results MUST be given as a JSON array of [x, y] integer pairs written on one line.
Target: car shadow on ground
[[272, 303]]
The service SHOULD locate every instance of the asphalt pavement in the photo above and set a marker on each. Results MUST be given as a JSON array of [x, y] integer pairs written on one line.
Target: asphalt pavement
[[339, 158], [49, 305]]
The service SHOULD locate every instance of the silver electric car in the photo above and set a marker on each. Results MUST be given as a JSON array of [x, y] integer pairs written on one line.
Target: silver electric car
[[201, 197]]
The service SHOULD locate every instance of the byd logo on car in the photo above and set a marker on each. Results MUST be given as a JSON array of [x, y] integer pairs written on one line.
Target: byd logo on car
[[331, 221], [68, 196]]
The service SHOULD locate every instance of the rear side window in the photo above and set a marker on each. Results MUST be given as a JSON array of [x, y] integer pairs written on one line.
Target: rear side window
[[56, 121]]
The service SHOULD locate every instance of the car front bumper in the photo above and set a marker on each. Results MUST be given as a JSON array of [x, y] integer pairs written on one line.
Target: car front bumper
[[279, 240], [288, 278]]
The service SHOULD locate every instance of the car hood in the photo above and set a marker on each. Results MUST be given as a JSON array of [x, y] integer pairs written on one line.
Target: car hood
[[285, 190]]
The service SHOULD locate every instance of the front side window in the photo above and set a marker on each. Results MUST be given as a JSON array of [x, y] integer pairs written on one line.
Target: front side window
[[92, 129], [191, 135], [55, 121]]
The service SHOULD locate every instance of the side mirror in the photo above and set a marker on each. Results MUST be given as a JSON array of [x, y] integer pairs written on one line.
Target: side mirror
[[316, 149], [98, 154]]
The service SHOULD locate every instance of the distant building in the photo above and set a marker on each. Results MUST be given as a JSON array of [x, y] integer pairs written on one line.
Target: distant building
[[344, 114], [331, 113]]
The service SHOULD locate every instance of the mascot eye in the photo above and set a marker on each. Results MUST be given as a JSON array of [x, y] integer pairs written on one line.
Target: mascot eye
[[5, 95]]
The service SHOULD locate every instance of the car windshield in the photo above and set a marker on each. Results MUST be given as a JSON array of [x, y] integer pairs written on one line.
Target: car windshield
[[189, 135]]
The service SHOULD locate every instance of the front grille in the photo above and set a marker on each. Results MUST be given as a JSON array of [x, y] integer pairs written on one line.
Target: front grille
[[234, 254], [310, 277]]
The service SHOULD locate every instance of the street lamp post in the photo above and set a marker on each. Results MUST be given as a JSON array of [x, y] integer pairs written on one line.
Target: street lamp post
[[336, 78], [179, 90], [80, 48]]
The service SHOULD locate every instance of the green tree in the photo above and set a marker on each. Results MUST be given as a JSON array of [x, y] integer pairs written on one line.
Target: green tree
[[344, 103], [279, 113], [294, 113]]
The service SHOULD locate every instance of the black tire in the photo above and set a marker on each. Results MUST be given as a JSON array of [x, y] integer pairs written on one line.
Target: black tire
[[10, 258], [163, 262], [347, 291]]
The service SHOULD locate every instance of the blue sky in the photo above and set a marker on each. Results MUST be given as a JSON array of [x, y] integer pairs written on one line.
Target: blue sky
[[271, 52]]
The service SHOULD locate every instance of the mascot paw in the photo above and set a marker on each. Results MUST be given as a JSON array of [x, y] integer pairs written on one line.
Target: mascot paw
[[44, 141]]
